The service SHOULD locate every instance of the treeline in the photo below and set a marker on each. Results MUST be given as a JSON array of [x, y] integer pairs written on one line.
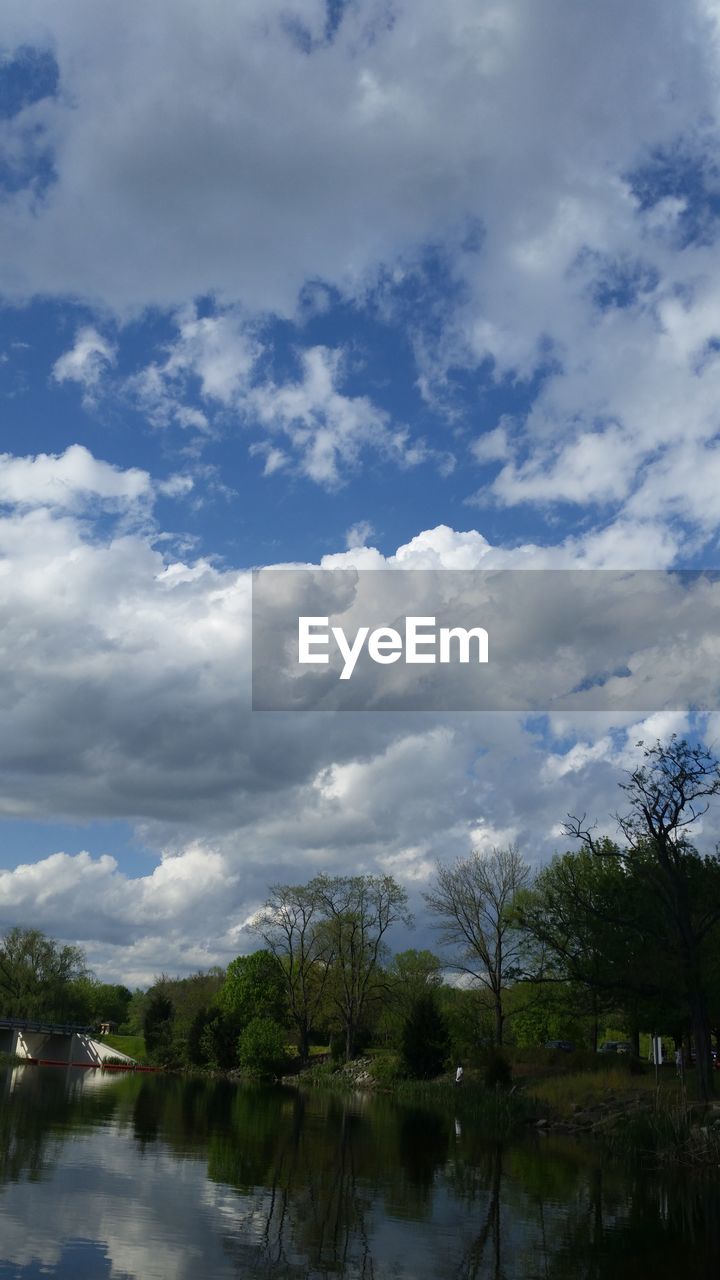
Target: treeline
[[41, 979], [622, 933]]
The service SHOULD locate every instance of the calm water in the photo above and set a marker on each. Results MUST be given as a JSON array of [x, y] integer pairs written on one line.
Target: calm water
[[140, 1176]]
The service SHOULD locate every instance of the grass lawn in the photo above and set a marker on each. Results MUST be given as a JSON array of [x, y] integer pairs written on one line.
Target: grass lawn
[[561, 1093], [133, 1046]]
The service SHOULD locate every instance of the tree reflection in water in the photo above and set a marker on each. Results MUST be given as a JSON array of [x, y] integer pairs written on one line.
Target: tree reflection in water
[[316, 1185]]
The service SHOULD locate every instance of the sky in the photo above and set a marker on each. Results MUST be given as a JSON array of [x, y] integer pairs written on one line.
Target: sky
[[362, 283]]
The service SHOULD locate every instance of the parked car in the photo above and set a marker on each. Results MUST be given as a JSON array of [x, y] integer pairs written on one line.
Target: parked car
[[615, 1046], [567, 1046]]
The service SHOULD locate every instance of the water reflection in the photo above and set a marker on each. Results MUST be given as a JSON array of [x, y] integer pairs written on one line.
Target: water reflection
[[147, 1177]]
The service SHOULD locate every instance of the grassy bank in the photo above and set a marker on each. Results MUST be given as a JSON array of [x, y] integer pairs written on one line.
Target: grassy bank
[[133, 1046], [654, 1123], [612, 1101]]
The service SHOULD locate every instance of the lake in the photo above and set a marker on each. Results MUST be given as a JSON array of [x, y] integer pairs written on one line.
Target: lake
[[143, 1176]]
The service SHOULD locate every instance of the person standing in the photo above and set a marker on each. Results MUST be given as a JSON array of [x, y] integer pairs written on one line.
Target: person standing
[[459, 1074]]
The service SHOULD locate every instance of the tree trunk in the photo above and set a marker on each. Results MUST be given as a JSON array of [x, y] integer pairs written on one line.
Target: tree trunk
[[498, 1021], [701, 1036], [304, 1043]]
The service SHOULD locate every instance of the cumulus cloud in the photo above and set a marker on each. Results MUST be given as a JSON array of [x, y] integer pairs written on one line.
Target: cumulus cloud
[[124, 682], [357, 145], [570, 261], [323, 430], [271, 164], [358, 534], [86, 362], [327, 429], [69, 481], [217, 353]]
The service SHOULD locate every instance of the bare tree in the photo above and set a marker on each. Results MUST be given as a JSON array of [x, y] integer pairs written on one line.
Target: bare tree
[[358, 911], [291, 925], [473, 900]]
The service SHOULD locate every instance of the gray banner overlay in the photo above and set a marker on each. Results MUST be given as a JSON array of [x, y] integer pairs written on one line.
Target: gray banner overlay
[[537, 640]]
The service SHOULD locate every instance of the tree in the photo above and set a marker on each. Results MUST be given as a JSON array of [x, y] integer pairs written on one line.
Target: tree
[[254, 987], [37, 976], [261, 1048], [110, 1002], [424, 1038], [474, 900], [217, 1040], [667, 794], [596, 930], [158, 1028], [290, 923], [358, 911], [413, 974], [196, 1044]]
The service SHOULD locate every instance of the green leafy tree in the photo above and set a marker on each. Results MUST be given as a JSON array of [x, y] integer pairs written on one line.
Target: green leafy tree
[[261, 1048], [254, 987], [412, 974], [551, 1011], [136, 1012], [470, 1017], [158, 1028], [196, 1045], [667, 795], [38, 977], [595, 930], [219, 1040], [291, 923], [110, 1002], [425, 1040]]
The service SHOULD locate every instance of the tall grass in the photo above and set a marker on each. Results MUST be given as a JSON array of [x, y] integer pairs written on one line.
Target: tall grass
[[583, 1088], [666, 1136], [493, 1113]]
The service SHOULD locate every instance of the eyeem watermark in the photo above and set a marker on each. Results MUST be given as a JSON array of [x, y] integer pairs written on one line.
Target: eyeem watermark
[[422, 641], [533, 641]]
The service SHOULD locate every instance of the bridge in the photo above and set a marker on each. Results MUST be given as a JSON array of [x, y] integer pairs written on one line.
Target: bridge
[[56, 1044]]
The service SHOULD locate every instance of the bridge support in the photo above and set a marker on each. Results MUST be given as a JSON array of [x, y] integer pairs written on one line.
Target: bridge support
[[52, 1043], [8, 1041]]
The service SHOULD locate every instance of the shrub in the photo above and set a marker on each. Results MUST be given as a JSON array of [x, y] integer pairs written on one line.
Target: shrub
[[159, 1031], [218, 1041], [497, 1072], [424, 1039], [261, 1048], [386, 1068], [337, 1046]]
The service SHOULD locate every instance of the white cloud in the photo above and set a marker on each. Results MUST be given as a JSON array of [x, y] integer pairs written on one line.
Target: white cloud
[[506, 141], [86, 362], [358, 534], [124, 682], [324, 430], [70, 481], [176, 486], [218, 353], [327, 429], [254, 183]]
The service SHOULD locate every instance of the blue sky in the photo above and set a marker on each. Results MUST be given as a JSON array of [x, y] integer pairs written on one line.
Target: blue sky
[[374, 283]]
